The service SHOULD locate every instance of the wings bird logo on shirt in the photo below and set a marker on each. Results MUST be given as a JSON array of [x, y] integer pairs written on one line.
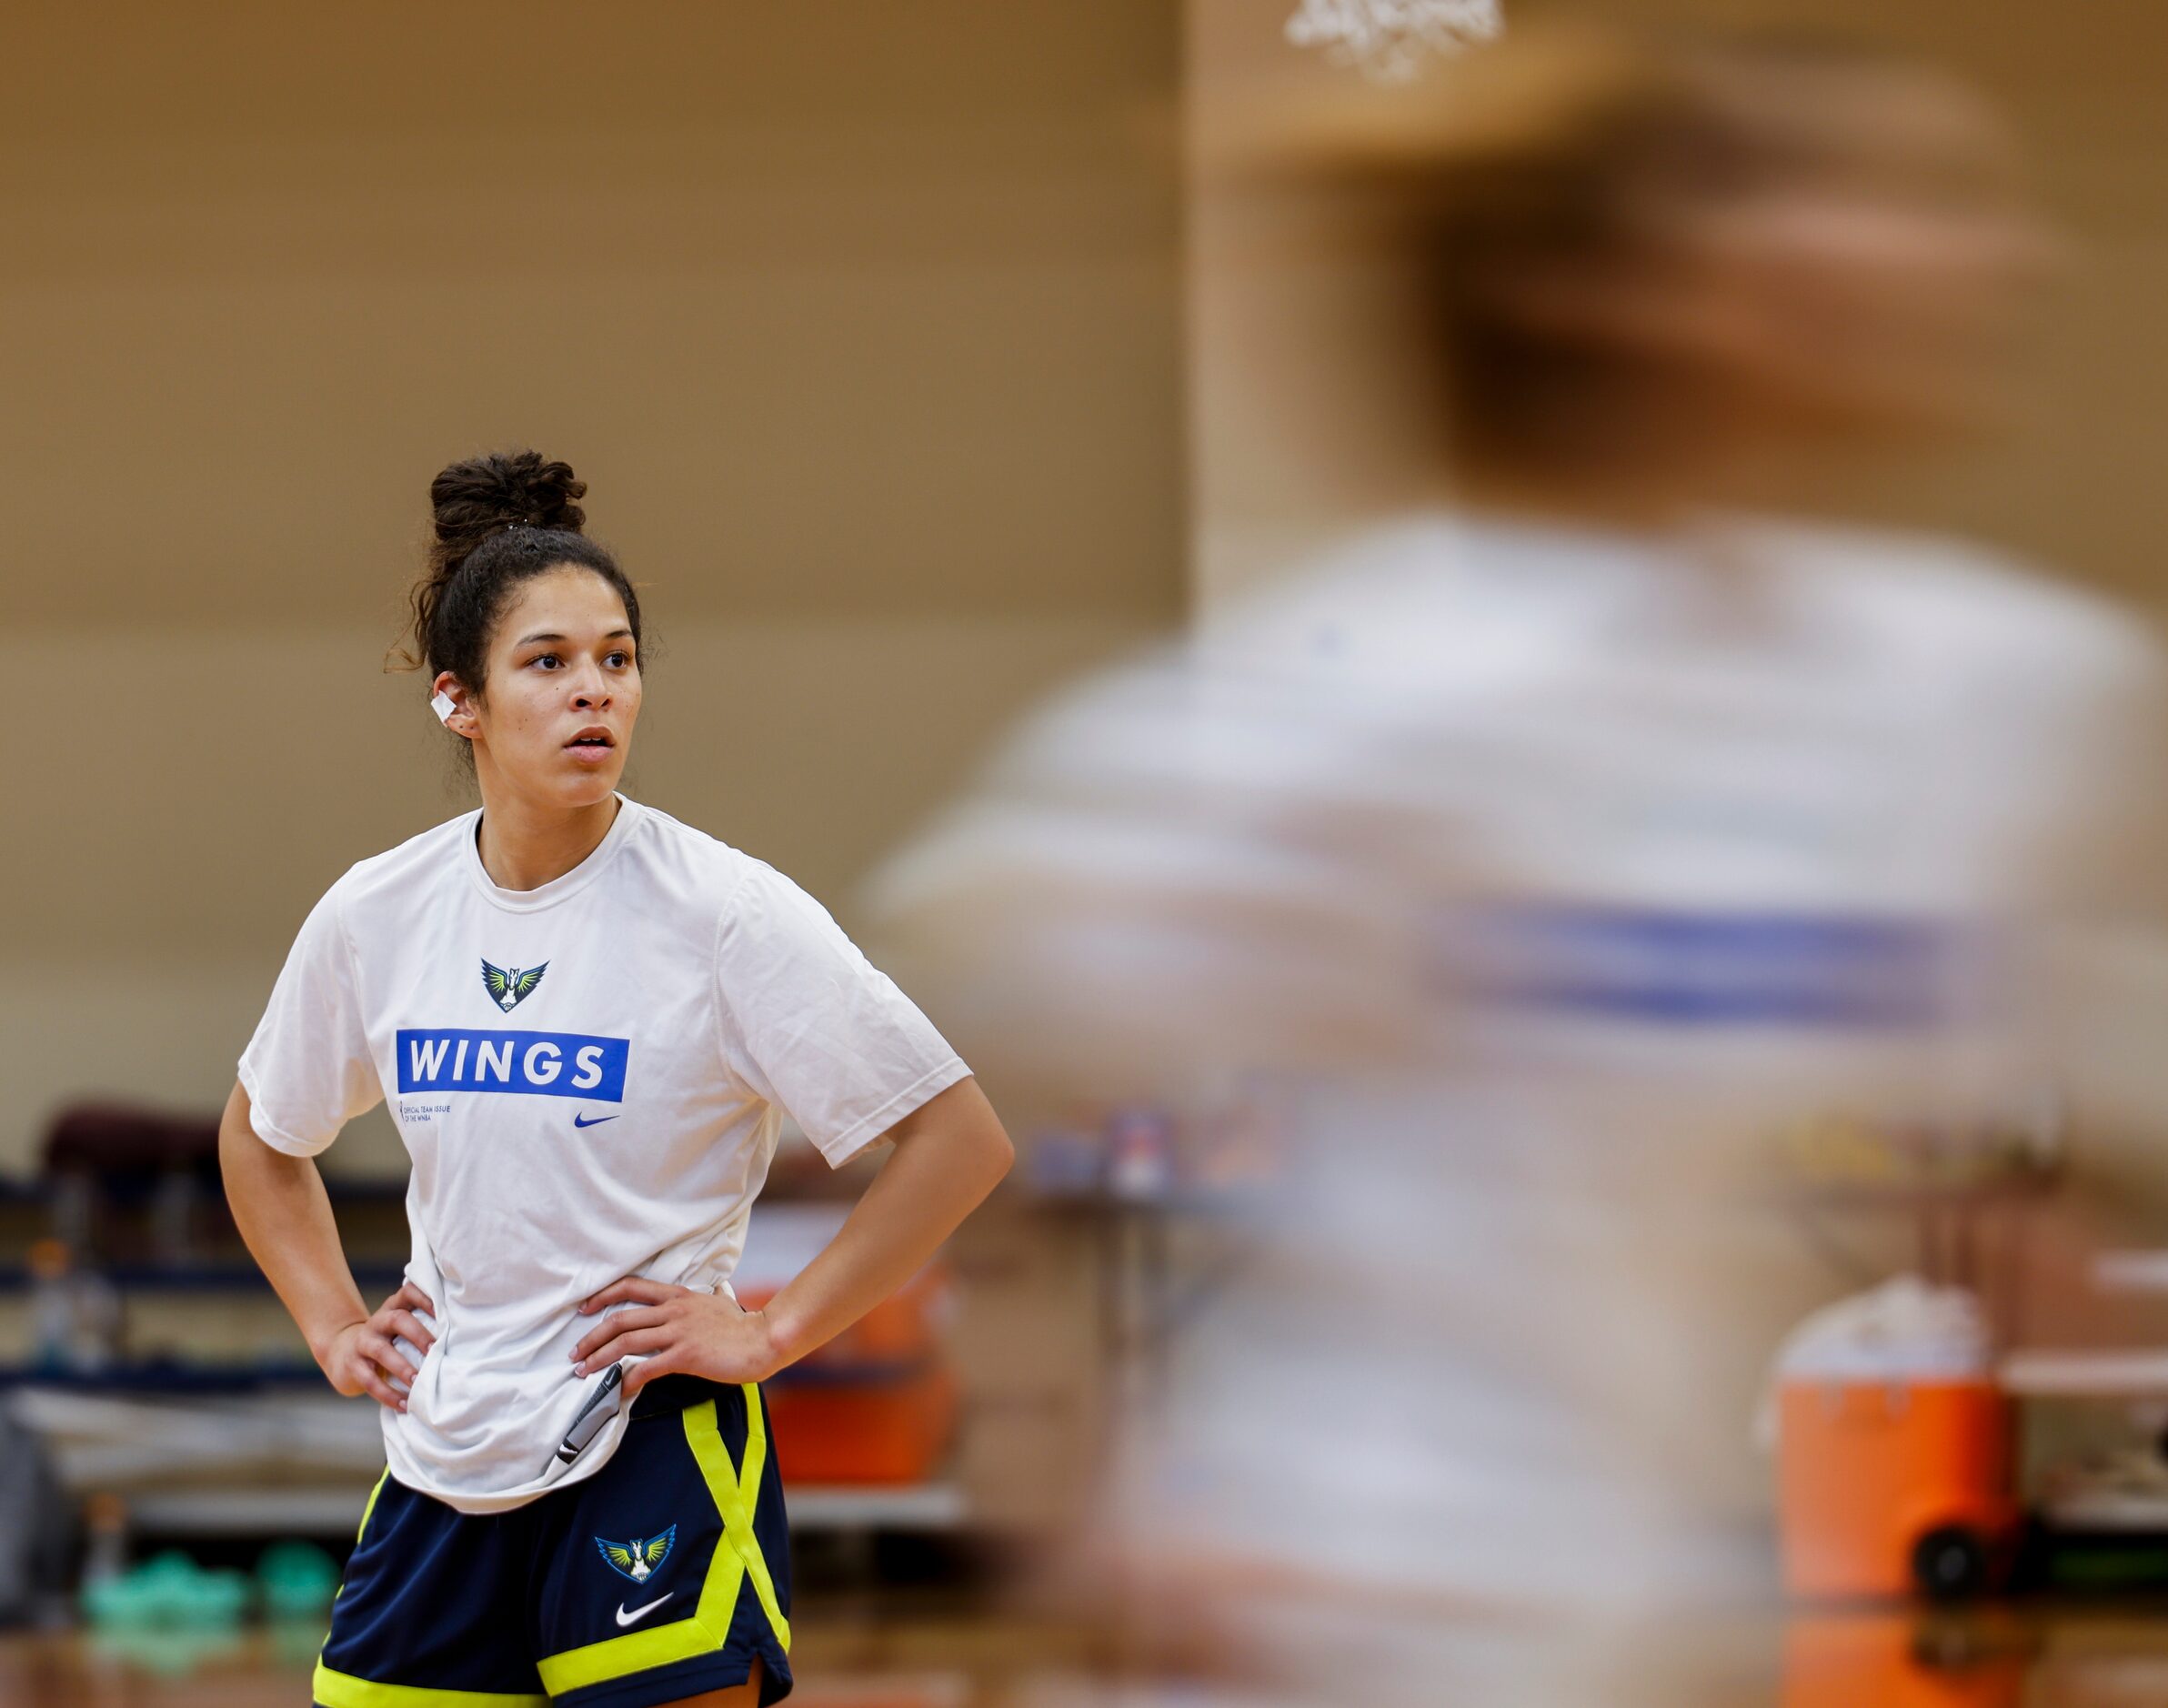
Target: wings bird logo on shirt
[[637, 1559], [510, 989]]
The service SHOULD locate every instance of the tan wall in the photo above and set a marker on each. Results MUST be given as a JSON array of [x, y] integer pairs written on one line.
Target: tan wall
[[863, 327]]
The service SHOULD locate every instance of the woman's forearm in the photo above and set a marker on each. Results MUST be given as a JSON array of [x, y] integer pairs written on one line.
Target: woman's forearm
[[285, 1217], [948, 1155]]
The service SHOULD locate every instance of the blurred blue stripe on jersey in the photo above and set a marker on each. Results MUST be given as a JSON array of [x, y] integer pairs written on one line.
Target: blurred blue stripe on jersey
[[1682, 967]]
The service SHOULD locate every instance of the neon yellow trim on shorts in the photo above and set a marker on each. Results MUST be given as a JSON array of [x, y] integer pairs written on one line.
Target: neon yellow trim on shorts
[[362, 1529], [736, 1554], [335, 1690], [738, 1523]]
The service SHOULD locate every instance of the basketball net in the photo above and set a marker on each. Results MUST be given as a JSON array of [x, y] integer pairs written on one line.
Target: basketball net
[[1388, 39]]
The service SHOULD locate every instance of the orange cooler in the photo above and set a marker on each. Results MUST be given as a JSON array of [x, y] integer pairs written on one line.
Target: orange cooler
[[891, 1431], [1894, 1486]]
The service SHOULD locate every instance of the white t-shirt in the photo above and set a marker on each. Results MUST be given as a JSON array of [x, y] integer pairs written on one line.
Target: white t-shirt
[[590, 1077]]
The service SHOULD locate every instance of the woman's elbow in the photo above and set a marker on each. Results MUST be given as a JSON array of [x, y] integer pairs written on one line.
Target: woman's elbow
[[1000, 1152]]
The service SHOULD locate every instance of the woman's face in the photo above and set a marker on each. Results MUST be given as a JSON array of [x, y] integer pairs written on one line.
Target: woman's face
[[1861, 273], [561, 692], [1879, 286]]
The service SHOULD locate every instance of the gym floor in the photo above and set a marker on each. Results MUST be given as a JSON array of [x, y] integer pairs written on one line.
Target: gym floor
[[912, 1653], [931, 1654]]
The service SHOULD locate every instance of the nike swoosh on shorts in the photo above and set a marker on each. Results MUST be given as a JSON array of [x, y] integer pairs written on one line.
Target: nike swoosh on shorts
[[638, 1614]]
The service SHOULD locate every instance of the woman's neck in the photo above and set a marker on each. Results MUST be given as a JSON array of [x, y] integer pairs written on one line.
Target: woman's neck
[[524, 846]]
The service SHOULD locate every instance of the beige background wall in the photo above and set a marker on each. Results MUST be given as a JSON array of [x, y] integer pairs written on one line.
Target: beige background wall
[[863, 325], [866, 326]]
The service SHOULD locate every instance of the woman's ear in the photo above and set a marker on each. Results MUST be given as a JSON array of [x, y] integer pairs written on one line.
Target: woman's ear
[[448, 700]]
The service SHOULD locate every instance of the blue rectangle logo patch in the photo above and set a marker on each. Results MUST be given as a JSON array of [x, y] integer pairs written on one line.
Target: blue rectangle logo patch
[[539, 1064]]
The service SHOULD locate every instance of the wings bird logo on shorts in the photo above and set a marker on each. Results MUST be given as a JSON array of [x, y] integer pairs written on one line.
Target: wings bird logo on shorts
[[510, 989], [638, 1559]]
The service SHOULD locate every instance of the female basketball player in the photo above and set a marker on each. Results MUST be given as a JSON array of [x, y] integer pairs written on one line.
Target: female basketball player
[[589, 1020]]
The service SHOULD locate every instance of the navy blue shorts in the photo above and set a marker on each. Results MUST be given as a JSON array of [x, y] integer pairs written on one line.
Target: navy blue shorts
[[664, 1574]]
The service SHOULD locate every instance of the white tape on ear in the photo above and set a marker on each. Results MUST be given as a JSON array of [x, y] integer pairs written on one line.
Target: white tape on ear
[[443, 705]]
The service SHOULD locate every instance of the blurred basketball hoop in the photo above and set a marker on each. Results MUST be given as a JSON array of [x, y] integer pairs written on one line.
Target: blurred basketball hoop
[[1388, 39]]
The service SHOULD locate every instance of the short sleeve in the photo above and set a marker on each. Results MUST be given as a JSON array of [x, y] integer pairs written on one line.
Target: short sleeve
[[307, 1070], [814, 1027]]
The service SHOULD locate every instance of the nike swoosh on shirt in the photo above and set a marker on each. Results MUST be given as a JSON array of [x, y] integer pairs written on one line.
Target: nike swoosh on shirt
[[640, 1613], [581, 1120]]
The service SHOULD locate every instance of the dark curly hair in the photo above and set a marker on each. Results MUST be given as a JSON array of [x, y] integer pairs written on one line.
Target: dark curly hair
[[500, 518]]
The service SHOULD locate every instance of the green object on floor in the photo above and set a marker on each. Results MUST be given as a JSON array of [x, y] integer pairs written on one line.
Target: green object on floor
[[296, 1580], [170, 1590], [168, 1650]]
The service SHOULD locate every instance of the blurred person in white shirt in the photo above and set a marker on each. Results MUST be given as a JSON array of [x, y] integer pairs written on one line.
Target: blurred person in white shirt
[[1541, 858]]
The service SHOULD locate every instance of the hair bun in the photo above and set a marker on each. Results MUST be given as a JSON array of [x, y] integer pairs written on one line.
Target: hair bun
[[475, 498], [500, 519]]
